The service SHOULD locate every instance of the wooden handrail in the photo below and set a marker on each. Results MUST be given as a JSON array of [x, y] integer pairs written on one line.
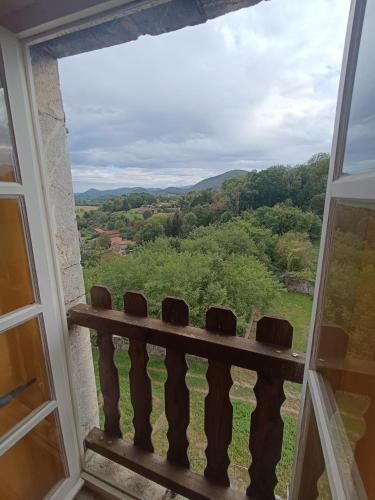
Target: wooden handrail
[[269, 355], [244, 353]]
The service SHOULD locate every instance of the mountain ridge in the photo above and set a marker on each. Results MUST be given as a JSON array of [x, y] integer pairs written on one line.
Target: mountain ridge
[[97, 195]]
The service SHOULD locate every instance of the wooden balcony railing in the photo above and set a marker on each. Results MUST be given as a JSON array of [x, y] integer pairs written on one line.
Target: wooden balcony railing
[[269, 355]]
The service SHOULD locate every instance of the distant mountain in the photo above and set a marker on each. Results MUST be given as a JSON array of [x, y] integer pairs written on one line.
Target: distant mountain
[[97, 195], [217, 181]]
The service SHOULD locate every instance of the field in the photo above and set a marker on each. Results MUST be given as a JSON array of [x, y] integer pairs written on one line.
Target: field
[[296, 308], [80, 209]]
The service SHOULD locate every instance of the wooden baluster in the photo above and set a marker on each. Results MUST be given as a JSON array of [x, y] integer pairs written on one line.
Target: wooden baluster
[[218, 408], [140, 384], [177, 401], [108, 374], [266, 428]]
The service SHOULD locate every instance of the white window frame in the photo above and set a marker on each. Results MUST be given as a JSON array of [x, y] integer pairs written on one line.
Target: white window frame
[[345, 188], [48, 301]]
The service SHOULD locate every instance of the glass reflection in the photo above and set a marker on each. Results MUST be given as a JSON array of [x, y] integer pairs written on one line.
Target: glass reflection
[[346, 348], [7, 155], [23, 375], [33, 466], [314, 480], [360, 145], [16, 288]]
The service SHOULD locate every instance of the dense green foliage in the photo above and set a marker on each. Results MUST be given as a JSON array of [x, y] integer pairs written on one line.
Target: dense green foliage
[[350, 290], [129, 201], [187, 269], [283, 218], [230, 246], [301, 189], [234, 264], [303, 186]]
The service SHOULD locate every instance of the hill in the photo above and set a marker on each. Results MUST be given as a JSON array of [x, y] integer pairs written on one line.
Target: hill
[[217, 181], [98, 196]]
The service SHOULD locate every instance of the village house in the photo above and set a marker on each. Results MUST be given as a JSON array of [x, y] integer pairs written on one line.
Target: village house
[[118, 245]]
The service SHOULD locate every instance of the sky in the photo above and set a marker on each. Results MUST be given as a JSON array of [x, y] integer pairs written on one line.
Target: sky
[[254, 88]]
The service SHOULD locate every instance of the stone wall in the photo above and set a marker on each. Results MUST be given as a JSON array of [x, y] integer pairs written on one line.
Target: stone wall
[[300, 285], [59, 192], [138, 18]]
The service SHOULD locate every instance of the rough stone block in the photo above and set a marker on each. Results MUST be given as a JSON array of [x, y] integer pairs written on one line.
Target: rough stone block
[[73, 286], [47, 84]]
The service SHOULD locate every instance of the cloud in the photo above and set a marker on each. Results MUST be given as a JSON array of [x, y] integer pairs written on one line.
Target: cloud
[[250, 89]]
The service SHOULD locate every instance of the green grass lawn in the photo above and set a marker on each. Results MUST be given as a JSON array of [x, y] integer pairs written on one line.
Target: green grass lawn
[[86, 208], [243, 402], [316, 248], [296, 308]]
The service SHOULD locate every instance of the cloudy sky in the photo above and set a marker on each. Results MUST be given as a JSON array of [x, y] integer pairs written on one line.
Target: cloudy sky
[[251, 89]]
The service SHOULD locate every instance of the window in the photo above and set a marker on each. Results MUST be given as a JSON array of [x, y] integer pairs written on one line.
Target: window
[[38, 450], [7, 151], [340, 367], [360, 145]]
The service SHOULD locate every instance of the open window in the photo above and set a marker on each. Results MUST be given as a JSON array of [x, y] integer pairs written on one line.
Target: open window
[[339, 394], [37, 434]]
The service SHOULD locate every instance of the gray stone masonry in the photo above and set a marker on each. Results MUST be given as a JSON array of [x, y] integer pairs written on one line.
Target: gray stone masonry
[[59, 191]]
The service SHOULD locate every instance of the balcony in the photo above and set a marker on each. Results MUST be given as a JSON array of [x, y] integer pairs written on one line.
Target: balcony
[[269, 355]]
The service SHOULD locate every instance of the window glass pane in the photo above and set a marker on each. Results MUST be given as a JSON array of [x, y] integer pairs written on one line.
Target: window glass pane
[[7, 152], [15, 281], [346, 349], [23, 375], [33, 466], [360, 144], [314, 480]]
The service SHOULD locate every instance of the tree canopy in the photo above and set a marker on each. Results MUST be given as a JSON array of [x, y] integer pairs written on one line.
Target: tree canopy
[[231, 246]]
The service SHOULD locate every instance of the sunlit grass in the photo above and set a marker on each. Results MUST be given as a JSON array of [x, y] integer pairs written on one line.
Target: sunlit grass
[[296, 308]]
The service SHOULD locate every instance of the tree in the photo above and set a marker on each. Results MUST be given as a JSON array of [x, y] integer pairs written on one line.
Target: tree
[[149, 231], [304, 185], [175, 224], [233, 189], [309, 182], [226, 216], [283, 218], [159, 269], [295, 252], [104, 241], [147, 214], [189, 223]]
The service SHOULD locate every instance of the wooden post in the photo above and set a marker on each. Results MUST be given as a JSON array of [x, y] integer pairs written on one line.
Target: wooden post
[[140, 384], [108, 374], [218, 407], [177, 400], [266, 428]]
